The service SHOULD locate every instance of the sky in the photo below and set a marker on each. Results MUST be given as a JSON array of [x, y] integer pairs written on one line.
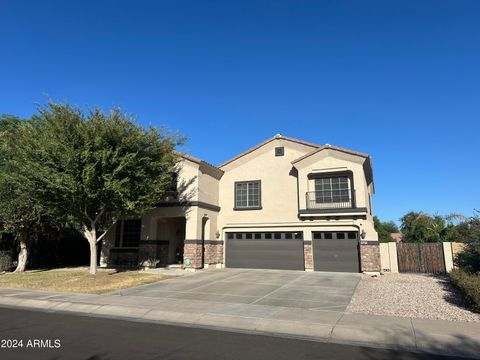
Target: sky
[[399, 80]]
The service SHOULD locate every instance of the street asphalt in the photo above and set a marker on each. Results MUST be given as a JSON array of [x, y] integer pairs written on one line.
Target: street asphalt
[[82, 337], [292, 304]]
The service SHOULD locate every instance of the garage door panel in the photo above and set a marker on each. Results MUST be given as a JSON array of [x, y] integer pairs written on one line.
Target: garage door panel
[[336, 255], [285, 254]]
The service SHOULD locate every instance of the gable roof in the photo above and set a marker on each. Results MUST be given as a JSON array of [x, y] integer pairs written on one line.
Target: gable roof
[[276, 137], [331, 147], [204, 166], [217, 172], [367, 165]]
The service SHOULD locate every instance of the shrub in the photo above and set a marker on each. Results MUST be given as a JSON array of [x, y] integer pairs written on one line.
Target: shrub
[[469, 258], [6, 261], [469, 285]]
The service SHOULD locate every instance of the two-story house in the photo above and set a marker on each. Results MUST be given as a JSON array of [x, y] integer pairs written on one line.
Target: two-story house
[[283, 204]]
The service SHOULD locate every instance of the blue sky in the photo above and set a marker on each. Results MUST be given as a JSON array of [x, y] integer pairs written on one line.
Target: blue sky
[[399, 80]]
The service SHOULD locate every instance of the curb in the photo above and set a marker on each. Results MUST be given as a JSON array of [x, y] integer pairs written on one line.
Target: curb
[[206, 321]]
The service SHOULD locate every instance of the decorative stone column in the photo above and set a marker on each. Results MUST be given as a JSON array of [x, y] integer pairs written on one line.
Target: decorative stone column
[[308, 254], [213, 252], [370, 256], [192, 251]]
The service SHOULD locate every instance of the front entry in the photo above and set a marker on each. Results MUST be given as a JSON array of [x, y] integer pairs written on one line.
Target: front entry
[[265, 250], [336, 251], [172, 232]]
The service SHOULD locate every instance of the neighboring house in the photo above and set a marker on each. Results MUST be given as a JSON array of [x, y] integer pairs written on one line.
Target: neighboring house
[[283, 204], [397, 237]]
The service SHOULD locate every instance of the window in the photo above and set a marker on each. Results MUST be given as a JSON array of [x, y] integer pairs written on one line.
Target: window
[[247, 195], [332, 190], [279, 151], [268, 235], [277, 235], [229, 235], [248, 236], [127, 233], [172, 187], [118, 233], [352, 235], [328, 235], [258, 236], [340, 235]]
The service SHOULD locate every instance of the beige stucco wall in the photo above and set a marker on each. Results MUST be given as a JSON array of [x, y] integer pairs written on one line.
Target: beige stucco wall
[[188, 179], [388, 257], [331, 160], [448, 256], [279, 199], [208, 188], [279, 188]]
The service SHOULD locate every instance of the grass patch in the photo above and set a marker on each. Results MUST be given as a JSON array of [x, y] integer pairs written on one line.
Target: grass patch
[[78, 280]]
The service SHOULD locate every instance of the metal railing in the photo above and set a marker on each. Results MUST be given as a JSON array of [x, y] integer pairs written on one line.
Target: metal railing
[[317, 200]]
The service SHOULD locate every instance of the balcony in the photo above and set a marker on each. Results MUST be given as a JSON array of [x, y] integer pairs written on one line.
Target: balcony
[[317, 202]]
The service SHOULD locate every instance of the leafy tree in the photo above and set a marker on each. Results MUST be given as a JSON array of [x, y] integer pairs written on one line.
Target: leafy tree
[[23, 211], [421, 227], [469, 229], [384, 229], [469, 258], [390, 226], [96, 167], [383, 234]]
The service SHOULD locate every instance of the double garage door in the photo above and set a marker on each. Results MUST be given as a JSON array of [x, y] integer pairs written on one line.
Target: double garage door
[[275, 250], [332, 251]]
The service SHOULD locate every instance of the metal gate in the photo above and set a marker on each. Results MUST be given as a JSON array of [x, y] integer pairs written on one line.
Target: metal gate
[[420, 258]]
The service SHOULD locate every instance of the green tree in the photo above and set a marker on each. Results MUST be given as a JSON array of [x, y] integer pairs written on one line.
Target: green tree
[[384, 229], [390, 226], [96, 167], [383, 234], [422, 227], [469, 229], [23, 211]]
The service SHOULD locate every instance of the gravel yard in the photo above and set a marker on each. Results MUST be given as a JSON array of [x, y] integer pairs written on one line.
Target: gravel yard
[[410, 295]]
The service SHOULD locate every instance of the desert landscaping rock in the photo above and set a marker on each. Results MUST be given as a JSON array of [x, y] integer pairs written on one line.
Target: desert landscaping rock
[[411, 295]]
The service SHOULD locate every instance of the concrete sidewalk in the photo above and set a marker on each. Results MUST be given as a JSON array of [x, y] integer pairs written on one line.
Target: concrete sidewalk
[[433, 336]]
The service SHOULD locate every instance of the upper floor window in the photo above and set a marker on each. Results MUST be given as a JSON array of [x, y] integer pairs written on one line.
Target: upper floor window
[[172, 188], [127, 233], [247, 194], [332, 189]]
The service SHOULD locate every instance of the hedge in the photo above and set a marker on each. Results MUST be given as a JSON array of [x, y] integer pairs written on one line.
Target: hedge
[[469, 285], [6, 261]]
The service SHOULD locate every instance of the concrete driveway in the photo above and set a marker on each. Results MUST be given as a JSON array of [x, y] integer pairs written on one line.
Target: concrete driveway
[[275, 288]]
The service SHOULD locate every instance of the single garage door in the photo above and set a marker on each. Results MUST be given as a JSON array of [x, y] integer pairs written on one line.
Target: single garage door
[[335, 251], [265, 250]]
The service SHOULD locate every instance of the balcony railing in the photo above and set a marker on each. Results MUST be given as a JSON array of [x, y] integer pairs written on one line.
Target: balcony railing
[[317, 200]]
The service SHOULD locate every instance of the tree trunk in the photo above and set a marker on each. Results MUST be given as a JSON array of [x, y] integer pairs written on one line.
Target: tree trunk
[[23, 254], [93, 257], [91, 235]]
